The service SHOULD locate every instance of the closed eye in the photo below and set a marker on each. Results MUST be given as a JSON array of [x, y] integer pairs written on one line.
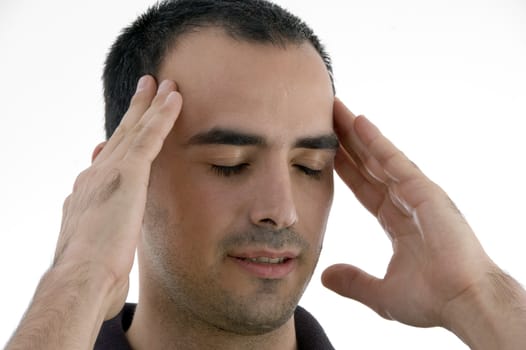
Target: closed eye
[[227, 171], [314, 173], [230, 170]]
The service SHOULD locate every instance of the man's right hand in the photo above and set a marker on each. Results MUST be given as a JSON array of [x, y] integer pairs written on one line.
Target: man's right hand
[[101, 223], [103, 216]]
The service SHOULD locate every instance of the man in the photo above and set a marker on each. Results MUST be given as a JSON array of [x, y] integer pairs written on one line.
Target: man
[[221, 177]]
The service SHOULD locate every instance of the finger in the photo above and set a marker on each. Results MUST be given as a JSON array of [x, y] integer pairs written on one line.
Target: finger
[[341, 109], [368, 187], [352, 282], [367, 193], [140, 102], [164, 89], [396, 219], [380, 155], [158, 106], [344, 124], [150, 139]]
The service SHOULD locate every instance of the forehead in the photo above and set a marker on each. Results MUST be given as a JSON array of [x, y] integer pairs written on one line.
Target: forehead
[[260, 88]]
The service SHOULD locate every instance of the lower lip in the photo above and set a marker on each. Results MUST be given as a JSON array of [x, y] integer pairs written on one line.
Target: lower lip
[[266, 271]]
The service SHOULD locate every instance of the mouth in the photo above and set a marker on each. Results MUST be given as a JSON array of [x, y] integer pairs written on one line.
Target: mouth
[[266, 265], [265, 260]]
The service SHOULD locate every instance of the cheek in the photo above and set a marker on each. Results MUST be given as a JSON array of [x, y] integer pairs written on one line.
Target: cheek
[[200, 210], [313, 206]]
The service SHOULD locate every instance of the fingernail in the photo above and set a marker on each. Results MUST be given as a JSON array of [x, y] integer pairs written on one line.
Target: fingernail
[[165, 86], [173, 96], [142, 83]]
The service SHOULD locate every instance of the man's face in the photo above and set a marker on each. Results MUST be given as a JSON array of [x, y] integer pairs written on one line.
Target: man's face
[[240, 193]]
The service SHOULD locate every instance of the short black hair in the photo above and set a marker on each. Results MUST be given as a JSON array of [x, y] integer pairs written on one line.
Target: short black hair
[[141, 47]]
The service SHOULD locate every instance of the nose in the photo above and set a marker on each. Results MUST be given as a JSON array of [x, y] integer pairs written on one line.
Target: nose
[[274, 204]]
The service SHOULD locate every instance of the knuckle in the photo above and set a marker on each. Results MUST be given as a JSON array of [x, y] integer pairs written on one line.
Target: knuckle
[[139, 147], [66, 203], [80, 180], [393, 160], [93, 192], [111, 183]]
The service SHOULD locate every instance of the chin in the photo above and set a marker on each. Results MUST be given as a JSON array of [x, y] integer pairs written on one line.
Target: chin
[[260, 313]]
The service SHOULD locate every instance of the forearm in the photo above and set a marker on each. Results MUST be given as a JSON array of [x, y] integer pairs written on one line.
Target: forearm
[[492, 315], [67, 311]]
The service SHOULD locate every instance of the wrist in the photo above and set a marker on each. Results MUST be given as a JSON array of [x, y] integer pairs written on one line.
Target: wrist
[[67, 310], [92, 284], [491, 314]]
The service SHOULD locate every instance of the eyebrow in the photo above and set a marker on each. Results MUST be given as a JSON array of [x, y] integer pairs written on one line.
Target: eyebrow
[[220, 136], [329, 141]]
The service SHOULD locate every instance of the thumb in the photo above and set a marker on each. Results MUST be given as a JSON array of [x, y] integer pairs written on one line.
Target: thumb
[[352, 282]]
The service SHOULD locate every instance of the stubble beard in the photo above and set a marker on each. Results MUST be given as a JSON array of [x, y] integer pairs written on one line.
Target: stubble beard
[[201, 302], [205, 303], [223, 311]]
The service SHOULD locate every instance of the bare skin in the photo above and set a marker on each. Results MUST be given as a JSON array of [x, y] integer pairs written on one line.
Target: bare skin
[[88, 281], [209, 193], [439, 274]]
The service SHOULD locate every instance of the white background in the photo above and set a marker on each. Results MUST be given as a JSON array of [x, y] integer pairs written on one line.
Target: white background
[[445, 80]]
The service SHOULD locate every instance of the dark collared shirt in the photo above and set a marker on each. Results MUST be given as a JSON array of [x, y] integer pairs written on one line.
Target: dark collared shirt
[[309, 334]]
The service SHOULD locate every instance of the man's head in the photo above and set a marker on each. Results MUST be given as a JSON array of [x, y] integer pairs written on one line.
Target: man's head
[[142, 47], [240, 193]]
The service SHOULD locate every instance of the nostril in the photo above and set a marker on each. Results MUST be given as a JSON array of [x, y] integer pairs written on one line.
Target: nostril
[[268, 221]]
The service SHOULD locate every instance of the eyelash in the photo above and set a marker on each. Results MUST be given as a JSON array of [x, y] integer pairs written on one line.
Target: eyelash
[[228, 171], [314, 173]]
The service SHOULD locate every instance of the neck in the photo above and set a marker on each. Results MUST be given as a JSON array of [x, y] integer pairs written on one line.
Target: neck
[[159, 324]]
